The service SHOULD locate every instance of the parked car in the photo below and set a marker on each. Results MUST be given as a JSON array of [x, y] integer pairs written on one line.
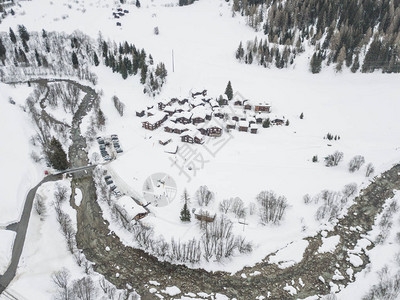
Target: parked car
[[107, 177], [113, 187], [119, 150], [108, 182]]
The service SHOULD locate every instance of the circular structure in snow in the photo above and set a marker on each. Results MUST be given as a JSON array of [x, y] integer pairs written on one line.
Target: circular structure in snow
[[159, 189]]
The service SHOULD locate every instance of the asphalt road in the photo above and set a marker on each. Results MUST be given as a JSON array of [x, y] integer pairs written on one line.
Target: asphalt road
[[21, 227]]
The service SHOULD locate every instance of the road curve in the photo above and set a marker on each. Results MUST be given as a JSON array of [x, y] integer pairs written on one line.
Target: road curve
[[20, 228]]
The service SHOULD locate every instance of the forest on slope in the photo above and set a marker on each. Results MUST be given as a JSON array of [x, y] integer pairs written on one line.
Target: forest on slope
[[362, 35]]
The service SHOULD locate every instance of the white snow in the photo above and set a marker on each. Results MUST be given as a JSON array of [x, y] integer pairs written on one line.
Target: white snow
[[171, 290], [7, 241], [355, 260], [290, 289], [78, 196], [361, 108], [290, 255], [329, 244]]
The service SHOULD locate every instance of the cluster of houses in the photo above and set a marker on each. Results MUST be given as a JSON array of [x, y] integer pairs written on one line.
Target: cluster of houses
[[198, 116]]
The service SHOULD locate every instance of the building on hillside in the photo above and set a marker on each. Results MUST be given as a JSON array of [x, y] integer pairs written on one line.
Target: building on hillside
[[277, 122], [153, 122], [140, 113], [230, 124], [253, 128], [262, 107], [243, 126]]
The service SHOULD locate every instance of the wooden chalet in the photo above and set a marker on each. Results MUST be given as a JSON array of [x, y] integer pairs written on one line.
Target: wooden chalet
[[183, 101], [247, 106], [214, 129], [238, 102], [202, 93], [140, 113], [230, 124], [170, 110], [262, 107], [164, 141], [277, 122], [243, 126], [253, 128], [235, 118], [252, 121], [163, 103], [155, 121], [259, 120], [208, 115], [184, 117], [192, 137]]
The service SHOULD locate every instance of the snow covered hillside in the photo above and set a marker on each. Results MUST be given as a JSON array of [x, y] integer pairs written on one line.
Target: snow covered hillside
[[197, 43]]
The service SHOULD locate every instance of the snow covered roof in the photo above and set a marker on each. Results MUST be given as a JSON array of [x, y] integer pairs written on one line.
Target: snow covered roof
[[156, 117], [131, 207], [254, 126], [263, 103], [243, 124], [213, 123], [199, 112]]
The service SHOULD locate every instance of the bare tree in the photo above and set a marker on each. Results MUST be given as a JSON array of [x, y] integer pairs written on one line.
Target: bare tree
[[61, 279], [369, 170], [61, 193], [238, 208], [40, 206], [225, 205], [355, 163], [204, 196], [272, 207], [349, 189], [84, 288], [333, 159]]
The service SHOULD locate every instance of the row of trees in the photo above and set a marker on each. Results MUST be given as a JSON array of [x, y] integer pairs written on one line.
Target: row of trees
[[339, 31]]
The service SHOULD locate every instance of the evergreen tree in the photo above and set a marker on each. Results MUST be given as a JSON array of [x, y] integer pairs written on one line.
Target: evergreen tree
[[143, 74], [240, 52], [75, 62], [356, 64], [2, 52], [137, 3], [105, 49], [13, 38], [23, 33], [315, 63], [25, 45], [123, 71], [151, 61], [287, 123], [96, 59], [266, 123], [56, 155], [39, 63], [229, 91], [301, 116], [44, 34], [185, 213]]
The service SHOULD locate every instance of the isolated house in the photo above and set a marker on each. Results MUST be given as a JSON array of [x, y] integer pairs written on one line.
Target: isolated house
[[262, 107]]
